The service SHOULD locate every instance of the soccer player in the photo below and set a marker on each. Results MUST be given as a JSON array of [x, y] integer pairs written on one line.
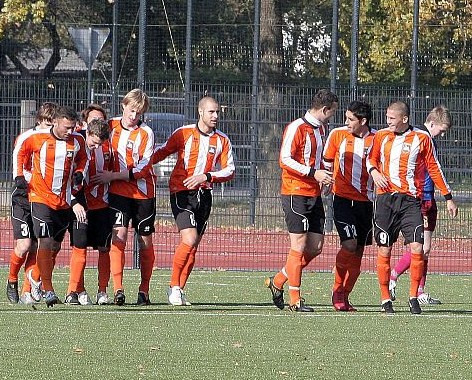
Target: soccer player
[[397, 162], [345, 153], [438, 122], [300, 160], [200, 149], [131, 192], [59, 160], [26, 242], [91, 225]]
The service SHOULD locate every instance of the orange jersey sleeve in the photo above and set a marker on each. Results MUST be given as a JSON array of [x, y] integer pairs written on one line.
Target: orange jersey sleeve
[[132, 151]]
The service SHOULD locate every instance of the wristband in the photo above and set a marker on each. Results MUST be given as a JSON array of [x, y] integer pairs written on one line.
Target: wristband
[[208, 175]]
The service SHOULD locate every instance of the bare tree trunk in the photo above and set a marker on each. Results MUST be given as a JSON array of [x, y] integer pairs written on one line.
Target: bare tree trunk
[[270, 101]]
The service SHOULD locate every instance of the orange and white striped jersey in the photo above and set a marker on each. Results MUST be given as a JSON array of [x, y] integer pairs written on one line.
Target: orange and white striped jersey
[[54, 162], [349, 154], [197, 153], [26, 166], [99, 159], [302, 148], [403, 158], [132, 151]]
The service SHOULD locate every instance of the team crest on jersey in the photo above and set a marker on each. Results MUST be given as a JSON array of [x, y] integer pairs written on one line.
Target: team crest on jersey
[[366, 151], [212, 149], [70, 154], [406, 148], [129, 144]]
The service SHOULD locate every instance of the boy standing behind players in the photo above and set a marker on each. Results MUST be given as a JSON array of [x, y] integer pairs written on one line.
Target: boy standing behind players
[[348, 147], [26, 242], [59, 160], [131, 192]]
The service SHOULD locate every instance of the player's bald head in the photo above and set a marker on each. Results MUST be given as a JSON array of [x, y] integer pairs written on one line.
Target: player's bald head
[[206, 102]]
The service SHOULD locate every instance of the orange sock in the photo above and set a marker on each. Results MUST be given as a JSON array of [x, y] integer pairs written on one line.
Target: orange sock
[[281, 277], [77, 266], [353, 272], [103, 270], [146, 261], [343, 259], [294, 272], [117, 263], [187, 268], [44, 262], [182, 252], [29, 264], [15, 266], [383, 274], [416, 272]]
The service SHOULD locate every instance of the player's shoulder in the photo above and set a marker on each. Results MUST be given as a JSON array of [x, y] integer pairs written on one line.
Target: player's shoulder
[[221, 134]]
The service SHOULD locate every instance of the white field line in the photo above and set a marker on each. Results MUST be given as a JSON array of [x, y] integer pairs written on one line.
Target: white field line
[[236, 314]]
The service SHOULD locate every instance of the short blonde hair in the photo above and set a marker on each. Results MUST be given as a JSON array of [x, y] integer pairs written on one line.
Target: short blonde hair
[[138, 99], [440, 115]]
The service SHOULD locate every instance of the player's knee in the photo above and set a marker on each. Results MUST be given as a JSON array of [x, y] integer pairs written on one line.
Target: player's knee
[[350, 245], [22, 247]]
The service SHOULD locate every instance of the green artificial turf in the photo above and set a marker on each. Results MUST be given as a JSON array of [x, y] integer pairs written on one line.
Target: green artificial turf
[[232, 331]]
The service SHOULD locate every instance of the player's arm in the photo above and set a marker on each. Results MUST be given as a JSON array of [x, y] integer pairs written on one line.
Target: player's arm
[[435, 172], [291, 143], [21, 154], [373, 163], [146, 148], [171, 146]]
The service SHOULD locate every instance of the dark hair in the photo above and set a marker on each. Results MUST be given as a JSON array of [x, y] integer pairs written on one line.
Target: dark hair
[[92, 107], [66, 113], [361, 110], [323, 98], [99, 128]]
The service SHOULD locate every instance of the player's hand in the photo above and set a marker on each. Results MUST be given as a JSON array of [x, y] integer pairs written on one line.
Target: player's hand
[[77, 178], [21, 183], [324, 177], [379, 179], [451, 208], [80, 213], [195, 180], [101, 178]]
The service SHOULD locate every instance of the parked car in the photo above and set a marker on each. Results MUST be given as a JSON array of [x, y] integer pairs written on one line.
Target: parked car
[[163, 124]]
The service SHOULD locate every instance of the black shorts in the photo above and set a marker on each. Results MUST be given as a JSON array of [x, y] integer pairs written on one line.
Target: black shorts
[[21, 220], [141, 212], [303, 214], [95, 233], [50, 223], [394, 213], [353, 220], [191, 209]]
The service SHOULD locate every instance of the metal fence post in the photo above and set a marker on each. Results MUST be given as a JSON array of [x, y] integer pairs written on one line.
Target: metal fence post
[[354, 49], [188, 64], [334, 45], [414, 61], [254, 115], [114, 60], [142, 43]]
